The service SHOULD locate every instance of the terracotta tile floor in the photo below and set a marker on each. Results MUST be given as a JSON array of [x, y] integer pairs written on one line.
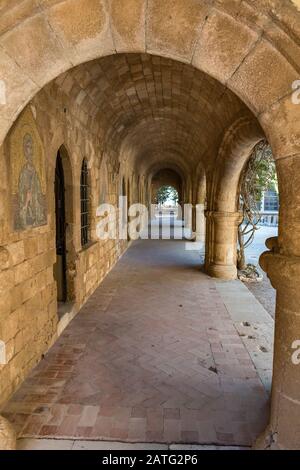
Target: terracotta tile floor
[[152, 357]]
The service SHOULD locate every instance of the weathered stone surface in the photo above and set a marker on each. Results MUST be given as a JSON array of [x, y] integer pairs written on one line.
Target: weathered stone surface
[[288, 171], [18, 87], [232, 83], [172, 27], [85, 25], [214, 53], [7, 435], [281, 123], [253, 82], [284, 272], [44, 60], [4, 258], [13, 13], [128, 25], [221, 243]]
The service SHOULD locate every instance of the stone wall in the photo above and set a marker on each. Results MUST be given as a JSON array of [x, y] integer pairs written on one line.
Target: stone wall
[[29, 320]]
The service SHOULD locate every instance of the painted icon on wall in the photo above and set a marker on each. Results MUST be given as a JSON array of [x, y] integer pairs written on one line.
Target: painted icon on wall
[[27, 175], [104, 185]]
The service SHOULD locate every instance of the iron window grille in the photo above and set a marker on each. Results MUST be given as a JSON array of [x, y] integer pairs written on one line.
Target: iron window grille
[[84, 204]]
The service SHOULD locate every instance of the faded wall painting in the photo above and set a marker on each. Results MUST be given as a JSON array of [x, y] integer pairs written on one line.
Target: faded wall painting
[[27, 174], [103, 193]]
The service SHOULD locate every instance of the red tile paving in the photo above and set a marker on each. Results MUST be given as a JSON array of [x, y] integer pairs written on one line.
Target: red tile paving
[[162, 362]]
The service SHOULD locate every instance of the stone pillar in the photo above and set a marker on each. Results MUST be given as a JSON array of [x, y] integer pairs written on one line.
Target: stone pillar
[[198, 196], [282, 264], [200, 226], [284, 429], [221, 243]]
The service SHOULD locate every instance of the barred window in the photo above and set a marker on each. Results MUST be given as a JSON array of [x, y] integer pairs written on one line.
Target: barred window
[[84, 202]]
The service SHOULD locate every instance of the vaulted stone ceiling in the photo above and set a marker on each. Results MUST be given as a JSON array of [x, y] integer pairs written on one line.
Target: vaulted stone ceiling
[[149, 108]]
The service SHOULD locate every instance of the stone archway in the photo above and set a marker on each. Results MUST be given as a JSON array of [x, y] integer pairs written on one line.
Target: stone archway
[[62, 40], [230, 43], [222, 211]]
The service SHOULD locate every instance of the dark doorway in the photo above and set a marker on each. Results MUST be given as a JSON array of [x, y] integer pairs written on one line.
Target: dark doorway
[[60, 266]]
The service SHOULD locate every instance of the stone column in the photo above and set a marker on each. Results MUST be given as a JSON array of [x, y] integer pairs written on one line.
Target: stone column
[[282, 264], [198, 216], [200, 226], [221, 243], [284, 429]]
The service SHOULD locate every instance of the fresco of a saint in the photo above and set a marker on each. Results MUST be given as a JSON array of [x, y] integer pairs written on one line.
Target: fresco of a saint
[[31, 210]]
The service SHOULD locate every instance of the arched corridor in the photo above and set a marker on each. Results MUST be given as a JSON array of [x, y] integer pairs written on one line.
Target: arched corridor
[[156, 355], [98, 98]]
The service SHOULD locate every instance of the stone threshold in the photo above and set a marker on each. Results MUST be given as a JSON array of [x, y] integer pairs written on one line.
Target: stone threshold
[[76, 444]]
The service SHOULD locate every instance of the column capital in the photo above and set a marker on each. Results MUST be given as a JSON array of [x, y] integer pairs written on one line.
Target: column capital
[[282, 270]]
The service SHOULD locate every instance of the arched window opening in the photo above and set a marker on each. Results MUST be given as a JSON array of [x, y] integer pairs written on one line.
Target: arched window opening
[[84, 204], [60, 267], [259, 204], [64, 224]]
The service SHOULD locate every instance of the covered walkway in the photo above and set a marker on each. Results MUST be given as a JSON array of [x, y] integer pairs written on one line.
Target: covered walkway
[[101, 102], [159, 353]]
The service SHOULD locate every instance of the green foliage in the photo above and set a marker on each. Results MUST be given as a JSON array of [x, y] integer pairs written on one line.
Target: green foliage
[[165, 193], [263, 165], [259, 175]]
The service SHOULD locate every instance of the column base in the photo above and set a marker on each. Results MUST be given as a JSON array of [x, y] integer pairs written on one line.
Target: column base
[[267, 440], [219, 271]]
